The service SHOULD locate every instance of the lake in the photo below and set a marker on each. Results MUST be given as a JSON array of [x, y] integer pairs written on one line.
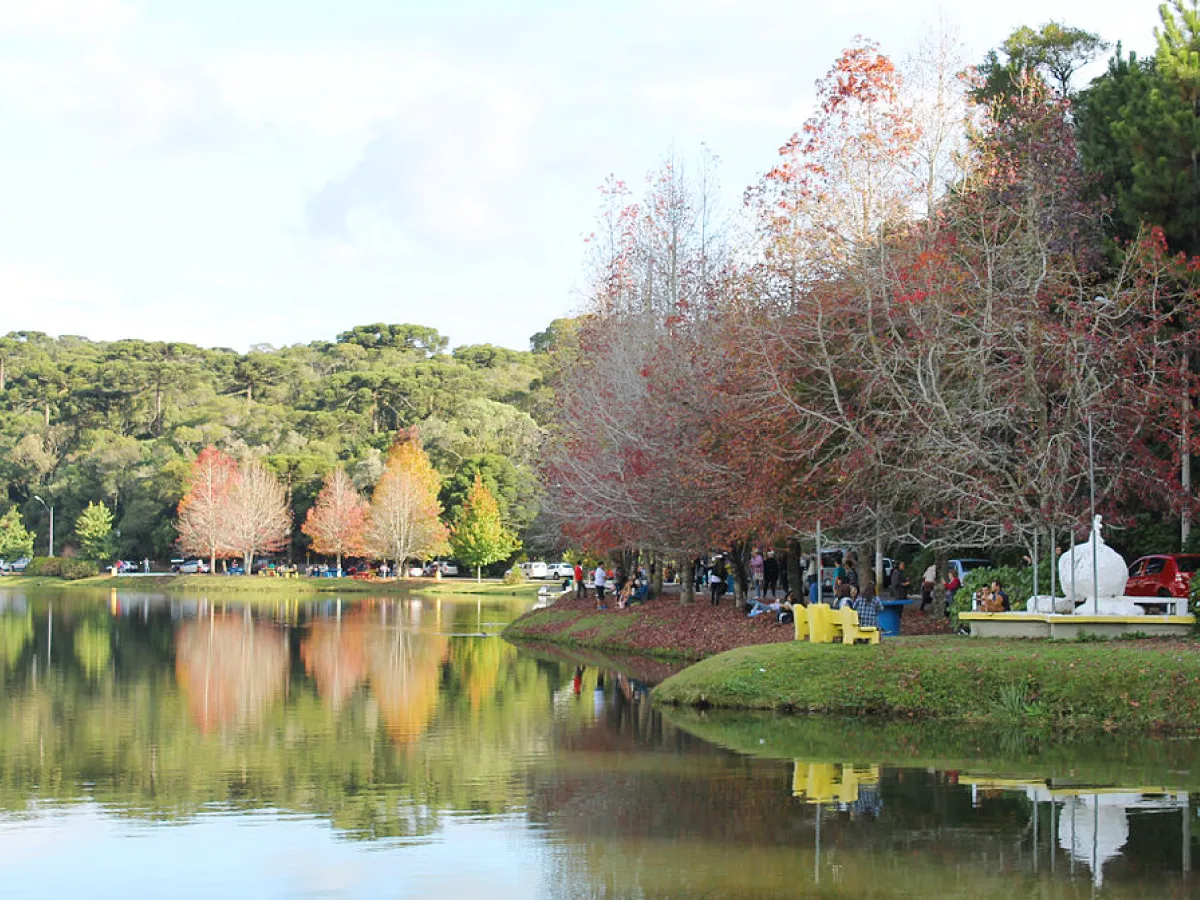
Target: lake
[[397, 747]]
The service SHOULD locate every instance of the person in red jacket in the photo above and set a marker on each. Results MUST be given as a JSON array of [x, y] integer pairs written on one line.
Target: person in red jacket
[[578, 580]]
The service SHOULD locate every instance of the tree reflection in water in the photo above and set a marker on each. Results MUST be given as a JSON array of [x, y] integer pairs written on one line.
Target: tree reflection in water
[[377, 720]]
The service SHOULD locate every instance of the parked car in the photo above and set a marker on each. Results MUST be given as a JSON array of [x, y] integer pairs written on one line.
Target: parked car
[[446, 567], [961, 567], [191, 567], [1168, 575], [535, 570], [560, 570], [20, 564], [416, 571]]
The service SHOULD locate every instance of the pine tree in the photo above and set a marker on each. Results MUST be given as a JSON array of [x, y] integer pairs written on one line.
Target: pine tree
[[479, 537], [94, 530]]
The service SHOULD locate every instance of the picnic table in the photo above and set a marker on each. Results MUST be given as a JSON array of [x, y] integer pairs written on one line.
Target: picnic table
[[889, 616]]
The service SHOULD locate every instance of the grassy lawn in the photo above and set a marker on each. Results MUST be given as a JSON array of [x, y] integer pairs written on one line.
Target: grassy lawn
[[1119, 684]]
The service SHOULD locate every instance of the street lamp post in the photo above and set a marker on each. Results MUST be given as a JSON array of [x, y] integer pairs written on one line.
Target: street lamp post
[[49, 509]]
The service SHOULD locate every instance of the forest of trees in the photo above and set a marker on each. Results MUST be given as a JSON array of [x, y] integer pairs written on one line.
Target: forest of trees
[[122, 423], [949, 278]]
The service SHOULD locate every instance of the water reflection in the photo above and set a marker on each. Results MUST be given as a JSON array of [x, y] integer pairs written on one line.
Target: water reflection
[[482, 769]]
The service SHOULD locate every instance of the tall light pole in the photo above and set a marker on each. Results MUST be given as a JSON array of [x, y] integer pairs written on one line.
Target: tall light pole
[[49, 509]]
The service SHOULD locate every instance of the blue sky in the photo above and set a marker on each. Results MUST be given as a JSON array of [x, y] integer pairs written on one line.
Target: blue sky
[[236, 172]]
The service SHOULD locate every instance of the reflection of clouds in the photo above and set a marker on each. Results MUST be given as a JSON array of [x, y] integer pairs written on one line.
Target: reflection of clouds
[[230, 668]]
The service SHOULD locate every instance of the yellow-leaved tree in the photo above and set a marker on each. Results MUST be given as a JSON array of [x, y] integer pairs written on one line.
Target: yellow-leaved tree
[[479, 537], [405, 520]]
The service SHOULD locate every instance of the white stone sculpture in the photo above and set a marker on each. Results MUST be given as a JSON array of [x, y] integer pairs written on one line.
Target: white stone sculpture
[[1111, 572]]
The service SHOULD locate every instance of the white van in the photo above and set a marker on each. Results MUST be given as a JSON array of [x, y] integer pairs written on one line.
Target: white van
[[535, 570]]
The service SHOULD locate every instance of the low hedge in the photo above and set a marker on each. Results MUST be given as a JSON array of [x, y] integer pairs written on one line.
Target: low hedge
[[61, 567]]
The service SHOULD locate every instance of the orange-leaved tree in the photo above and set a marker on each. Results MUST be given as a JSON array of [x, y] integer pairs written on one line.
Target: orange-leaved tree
[[405, 516], [337, 523], [202, 526]]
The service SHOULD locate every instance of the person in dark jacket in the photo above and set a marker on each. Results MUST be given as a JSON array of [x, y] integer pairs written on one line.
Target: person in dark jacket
[[770, 574], [899, 582]]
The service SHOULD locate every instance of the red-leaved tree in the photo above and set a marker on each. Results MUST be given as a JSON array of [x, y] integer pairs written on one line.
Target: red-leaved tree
[[202, 522]]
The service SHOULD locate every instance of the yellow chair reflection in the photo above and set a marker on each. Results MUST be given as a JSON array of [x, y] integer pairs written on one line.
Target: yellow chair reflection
[[830, 782]]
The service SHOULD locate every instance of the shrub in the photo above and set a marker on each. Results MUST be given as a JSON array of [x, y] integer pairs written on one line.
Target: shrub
[[61, 567], [1017, 583], [514, 576]]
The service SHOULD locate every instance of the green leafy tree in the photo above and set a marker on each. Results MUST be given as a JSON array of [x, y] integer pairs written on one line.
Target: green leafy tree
[[94, 528], [478, 536], [1053, 53], [16, 540], [1139, 133]]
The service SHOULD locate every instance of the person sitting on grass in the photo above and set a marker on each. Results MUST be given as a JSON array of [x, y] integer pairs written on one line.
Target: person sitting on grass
[[625, 592], [787, 612], [758, 607]]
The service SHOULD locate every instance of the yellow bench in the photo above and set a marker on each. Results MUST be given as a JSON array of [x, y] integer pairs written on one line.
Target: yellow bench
[[822, 628], [847, 619], [800, 617]]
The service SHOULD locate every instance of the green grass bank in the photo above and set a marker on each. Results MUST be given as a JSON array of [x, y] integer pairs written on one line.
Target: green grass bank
[[1134, 684], [225, 584]]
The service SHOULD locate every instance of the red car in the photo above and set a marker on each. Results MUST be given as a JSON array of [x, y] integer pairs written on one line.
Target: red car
[[1169, 575]]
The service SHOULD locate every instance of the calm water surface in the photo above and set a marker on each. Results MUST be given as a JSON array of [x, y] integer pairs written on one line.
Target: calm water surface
[[398, 748]]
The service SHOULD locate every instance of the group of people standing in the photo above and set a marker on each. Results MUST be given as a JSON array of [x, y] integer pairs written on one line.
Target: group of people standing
[[768, 576]]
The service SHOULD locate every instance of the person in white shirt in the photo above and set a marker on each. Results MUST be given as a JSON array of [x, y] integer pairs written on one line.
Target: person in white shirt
[[600, 577]]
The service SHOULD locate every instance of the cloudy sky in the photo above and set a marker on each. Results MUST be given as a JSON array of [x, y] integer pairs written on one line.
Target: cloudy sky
[[234, 172]]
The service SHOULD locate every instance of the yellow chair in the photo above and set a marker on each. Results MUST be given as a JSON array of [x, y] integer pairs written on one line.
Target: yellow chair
[[821, 626], [847, 619], [800, 615]]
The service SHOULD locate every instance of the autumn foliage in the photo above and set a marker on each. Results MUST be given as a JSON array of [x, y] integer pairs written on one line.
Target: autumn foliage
[[337, 522], [404, 521], [894, 366]]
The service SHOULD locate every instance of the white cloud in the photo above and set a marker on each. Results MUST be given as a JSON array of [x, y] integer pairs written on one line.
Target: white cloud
[[35, 300], [81, 19]]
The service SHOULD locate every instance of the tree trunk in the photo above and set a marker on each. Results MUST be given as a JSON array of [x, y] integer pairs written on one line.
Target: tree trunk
[[656, 575], [794, 575], [479, 574], [939, 582], [339, 566], [687, 582], [741, 578], [212, 562], [247, 561]]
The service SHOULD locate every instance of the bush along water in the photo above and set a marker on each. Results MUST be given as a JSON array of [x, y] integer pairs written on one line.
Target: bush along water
[[61, 567]]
